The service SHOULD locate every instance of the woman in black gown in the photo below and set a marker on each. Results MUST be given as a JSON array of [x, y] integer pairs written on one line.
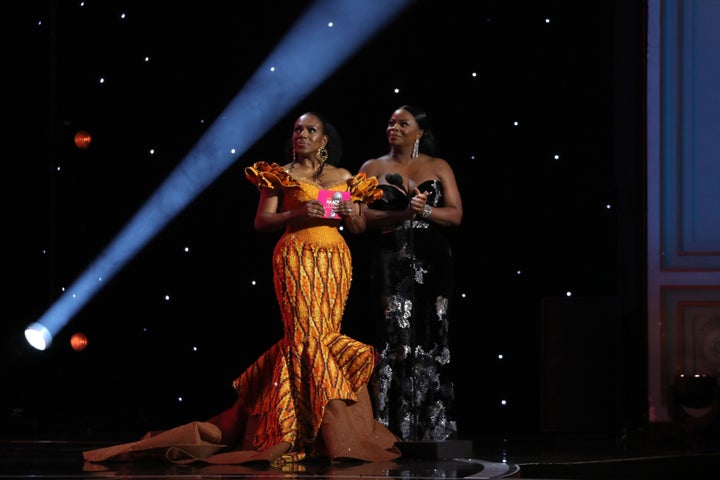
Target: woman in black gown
[[413, 273]]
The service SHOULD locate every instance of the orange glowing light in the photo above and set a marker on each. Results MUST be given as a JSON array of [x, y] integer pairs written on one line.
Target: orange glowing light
[[82, 139], [78, 341]]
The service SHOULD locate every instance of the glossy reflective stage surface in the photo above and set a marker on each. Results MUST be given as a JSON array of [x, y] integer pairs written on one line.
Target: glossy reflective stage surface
[[57, 459], [539, 457]]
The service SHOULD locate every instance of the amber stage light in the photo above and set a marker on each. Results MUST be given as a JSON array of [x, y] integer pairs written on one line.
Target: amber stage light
[[82, 139], [78, 341]]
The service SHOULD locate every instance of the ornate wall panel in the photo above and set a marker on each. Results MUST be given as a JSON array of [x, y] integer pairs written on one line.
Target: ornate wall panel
[[683, 194]]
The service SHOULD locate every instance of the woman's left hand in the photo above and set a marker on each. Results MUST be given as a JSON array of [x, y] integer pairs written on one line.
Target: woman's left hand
[[346, 209]]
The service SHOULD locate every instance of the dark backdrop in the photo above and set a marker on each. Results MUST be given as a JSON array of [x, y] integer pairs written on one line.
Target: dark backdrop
[[538, 232]]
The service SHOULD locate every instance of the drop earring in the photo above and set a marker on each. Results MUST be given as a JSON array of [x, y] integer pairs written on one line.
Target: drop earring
[[416, 149], [322, 155]]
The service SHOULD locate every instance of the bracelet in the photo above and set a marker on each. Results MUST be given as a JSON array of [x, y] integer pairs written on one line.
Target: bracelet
[[427, 210]]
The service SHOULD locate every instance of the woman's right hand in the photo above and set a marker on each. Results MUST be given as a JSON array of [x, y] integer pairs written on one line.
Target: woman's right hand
[[418, 202], [314, 209]]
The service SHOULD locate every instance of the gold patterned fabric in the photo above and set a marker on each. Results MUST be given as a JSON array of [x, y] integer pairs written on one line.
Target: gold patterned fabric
[[288, 389], [306, 396]]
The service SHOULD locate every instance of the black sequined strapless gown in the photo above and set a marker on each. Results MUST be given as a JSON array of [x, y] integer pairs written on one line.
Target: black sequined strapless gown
[[413, 278]]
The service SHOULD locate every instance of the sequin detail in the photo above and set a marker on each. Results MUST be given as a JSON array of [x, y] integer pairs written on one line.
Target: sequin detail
[[412, 272]]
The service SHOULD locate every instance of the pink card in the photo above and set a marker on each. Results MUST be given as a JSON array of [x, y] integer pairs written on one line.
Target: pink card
[[331, 200]]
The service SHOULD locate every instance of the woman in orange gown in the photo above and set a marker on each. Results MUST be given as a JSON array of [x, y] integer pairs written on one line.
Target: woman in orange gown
[[306, 397], [308, 393]]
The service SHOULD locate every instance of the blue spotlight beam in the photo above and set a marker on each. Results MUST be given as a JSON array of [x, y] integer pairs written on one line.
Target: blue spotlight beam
[[308, 54]]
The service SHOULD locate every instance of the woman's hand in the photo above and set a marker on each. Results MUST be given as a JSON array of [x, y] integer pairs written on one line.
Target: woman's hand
[[314, 209], [418, 202], [347, 208]]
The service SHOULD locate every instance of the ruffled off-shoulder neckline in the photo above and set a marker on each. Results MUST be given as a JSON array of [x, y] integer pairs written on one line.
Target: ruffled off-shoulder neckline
[[271, 175]]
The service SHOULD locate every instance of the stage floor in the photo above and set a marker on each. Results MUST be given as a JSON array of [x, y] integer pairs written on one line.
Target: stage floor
[[539, 457]]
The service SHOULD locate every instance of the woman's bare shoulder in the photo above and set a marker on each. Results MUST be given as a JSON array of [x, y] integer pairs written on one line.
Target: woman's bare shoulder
[[439, 162], [374, 164], [333, 175]]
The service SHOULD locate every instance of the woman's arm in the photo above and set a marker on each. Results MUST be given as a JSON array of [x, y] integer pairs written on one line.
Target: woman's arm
[[450, 213], [380, 218], [355, 221], [269, 219]]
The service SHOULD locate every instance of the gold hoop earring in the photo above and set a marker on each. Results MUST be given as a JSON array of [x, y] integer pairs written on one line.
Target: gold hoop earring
[[322, 155]]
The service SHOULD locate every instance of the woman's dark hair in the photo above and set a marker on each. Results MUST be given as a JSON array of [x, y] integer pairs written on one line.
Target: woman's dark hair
[[333, 146], [427, 141]]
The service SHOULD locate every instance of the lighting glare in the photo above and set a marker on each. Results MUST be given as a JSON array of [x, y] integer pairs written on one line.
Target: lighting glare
[[305, 58], [38, 336]]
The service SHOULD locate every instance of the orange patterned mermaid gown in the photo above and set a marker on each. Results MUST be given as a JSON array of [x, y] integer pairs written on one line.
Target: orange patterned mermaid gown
[[305, 397], [314, 371]]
